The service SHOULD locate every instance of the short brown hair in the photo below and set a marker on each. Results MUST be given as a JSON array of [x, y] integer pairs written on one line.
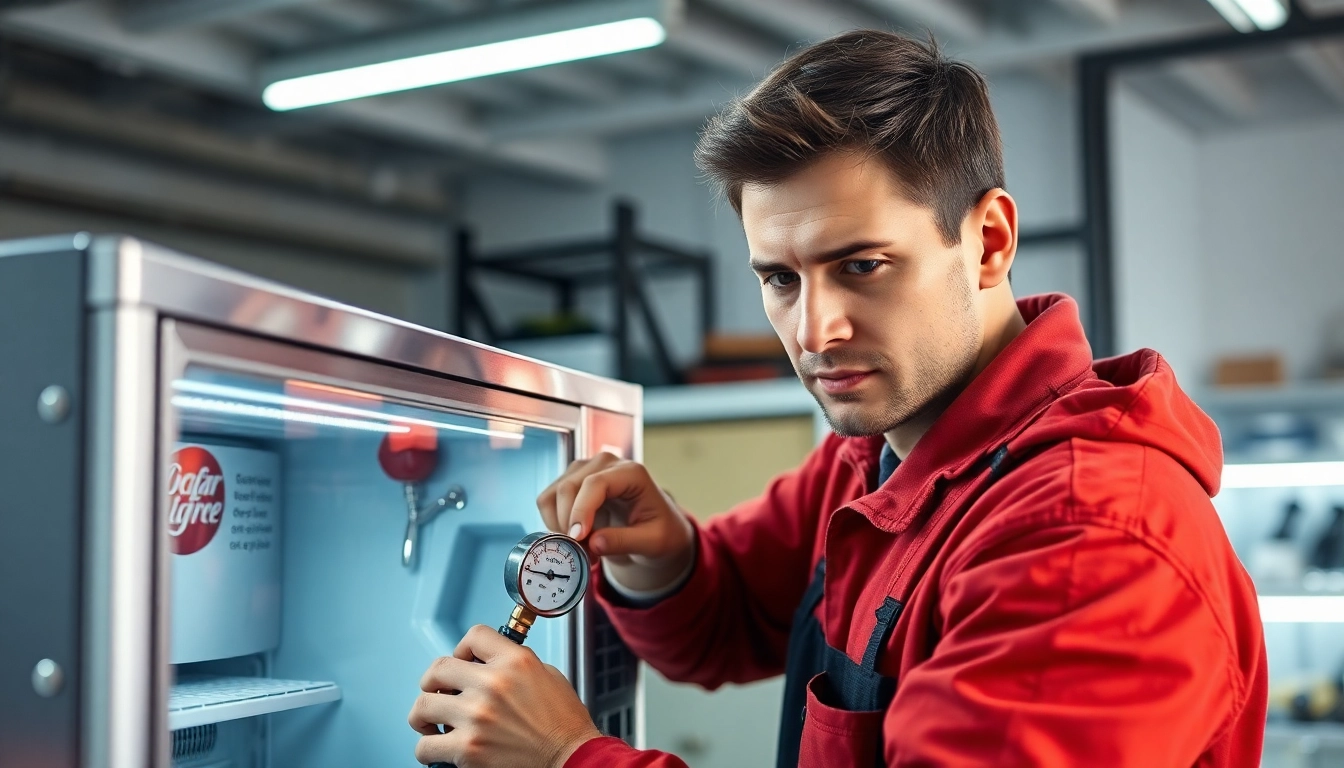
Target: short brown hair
[[875, 93]]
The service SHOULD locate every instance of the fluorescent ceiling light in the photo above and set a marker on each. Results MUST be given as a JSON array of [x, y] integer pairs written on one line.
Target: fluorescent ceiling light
[[465, 63], [1249, 15], [1286, 475], [1302, 609], [390, 422]]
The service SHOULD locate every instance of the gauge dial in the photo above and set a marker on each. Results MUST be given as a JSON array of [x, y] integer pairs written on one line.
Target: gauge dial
[[547, 573]]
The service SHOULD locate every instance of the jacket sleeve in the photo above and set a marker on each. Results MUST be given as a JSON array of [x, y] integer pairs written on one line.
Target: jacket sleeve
[[730, 621], [1073, 644], [611, 752]]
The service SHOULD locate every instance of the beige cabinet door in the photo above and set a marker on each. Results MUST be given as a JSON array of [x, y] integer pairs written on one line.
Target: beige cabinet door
[[709, 467]]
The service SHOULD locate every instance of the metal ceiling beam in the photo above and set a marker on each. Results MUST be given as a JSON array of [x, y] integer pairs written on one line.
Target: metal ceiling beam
[[1220, 83], [630, 116], [351, 18], [1323, 7], [1324, 64], [141, 130], [160, 15], [215, 63], [947, 18], [575, 81], [79, 175], [278, 31], [711, 42], [1059, 37], [1104, 11], [651, 65], [489, 93], [799, 20]]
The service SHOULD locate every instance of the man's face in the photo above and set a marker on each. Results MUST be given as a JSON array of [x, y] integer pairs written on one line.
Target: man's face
[[877, 313]]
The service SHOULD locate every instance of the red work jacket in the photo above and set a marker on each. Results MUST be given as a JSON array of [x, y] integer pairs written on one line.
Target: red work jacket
[[1086, 609]]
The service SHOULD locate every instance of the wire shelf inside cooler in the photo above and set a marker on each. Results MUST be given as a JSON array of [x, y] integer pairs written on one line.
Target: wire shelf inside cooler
[[203, 700]]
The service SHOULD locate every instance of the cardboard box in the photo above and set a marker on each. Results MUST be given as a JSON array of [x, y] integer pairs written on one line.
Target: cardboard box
[[1249, 370]]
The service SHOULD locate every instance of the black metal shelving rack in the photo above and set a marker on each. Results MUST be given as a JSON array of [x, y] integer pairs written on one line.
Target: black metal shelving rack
[[623, 260]]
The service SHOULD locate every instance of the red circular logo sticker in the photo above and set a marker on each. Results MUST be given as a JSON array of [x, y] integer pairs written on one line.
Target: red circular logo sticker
[[195, 499]]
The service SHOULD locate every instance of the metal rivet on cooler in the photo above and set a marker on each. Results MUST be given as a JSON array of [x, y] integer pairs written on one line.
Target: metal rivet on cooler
[[47, 678], [53, 405]]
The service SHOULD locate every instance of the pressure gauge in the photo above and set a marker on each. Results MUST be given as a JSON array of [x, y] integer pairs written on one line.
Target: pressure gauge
[[546, 574]]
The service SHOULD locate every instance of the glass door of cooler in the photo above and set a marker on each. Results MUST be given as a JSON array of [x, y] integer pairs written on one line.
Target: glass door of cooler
[[332, 526]]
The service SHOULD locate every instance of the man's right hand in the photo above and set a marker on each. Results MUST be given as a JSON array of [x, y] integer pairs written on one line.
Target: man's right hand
[[645, 537]]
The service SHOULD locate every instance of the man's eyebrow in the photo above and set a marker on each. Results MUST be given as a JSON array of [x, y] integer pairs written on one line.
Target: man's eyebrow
[[835, 254], [767, 266], [858, 246]]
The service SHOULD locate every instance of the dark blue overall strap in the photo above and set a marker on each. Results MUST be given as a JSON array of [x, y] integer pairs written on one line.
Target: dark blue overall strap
[[886, 620]]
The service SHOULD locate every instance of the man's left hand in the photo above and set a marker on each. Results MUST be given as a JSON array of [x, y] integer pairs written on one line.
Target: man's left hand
[[511, 711]]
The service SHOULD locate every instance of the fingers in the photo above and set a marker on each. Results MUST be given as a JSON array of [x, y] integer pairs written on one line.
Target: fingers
[[456, 747], [487, 645], [555, 502], [648, 540], [449, 673], [434, 709], [627, 478], [577, 519], [565, 491], [437, 748], [556, 673]]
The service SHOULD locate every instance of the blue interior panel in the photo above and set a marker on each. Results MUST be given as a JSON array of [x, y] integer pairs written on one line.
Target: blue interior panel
[[351, 612]]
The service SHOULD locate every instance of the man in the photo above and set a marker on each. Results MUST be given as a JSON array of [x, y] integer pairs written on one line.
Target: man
[[1006, 555]]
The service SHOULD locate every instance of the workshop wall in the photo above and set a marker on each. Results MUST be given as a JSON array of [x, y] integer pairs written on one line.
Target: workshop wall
[[1269, 226], [1158, 285], [1225, 243]]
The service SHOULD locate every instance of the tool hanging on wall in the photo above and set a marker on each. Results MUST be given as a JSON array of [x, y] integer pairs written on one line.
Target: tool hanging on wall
[[1328, 553], [410, 458], [1278, 560]]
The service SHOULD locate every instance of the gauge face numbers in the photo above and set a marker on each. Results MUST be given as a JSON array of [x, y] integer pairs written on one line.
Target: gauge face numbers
[[551, 579], [547, 573]]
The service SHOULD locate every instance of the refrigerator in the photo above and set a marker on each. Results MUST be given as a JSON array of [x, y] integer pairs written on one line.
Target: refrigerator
[[240, 521]]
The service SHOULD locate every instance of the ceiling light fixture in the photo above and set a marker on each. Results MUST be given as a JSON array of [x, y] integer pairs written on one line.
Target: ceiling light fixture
[[539, 36], [1250, 15]]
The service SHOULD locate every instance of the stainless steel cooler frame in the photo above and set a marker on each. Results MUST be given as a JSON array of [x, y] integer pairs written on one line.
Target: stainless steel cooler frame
[[94, 327]]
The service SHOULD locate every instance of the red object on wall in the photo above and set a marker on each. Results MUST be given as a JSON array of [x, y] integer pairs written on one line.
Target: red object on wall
[[410, 457]]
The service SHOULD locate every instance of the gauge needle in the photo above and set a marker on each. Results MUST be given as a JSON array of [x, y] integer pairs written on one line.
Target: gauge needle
[[548, 574]]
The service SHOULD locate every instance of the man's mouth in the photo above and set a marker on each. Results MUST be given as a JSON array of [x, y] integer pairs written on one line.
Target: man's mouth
[[835, 382]]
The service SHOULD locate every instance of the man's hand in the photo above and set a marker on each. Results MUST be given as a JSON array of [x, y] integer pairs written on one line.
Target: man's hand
[[627, 519], [512, 711]]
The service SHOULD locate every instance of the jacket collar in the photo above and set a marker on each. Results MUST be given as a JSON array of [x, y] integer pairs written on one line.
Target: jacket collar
[[1050, 357]]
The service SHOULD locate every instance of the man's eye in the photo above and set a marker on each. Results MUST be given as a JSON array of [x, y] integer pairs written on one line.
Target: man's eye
[[861, 267], [781, 280]]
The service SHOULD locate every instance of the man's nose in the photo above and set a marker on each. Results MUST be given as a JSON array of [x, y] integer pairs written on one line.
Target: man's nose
[[825, 319]]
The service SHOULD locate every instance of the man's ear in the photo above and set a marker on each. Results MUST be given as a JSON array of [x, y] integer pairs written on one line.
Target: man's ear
[[991, 228]]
